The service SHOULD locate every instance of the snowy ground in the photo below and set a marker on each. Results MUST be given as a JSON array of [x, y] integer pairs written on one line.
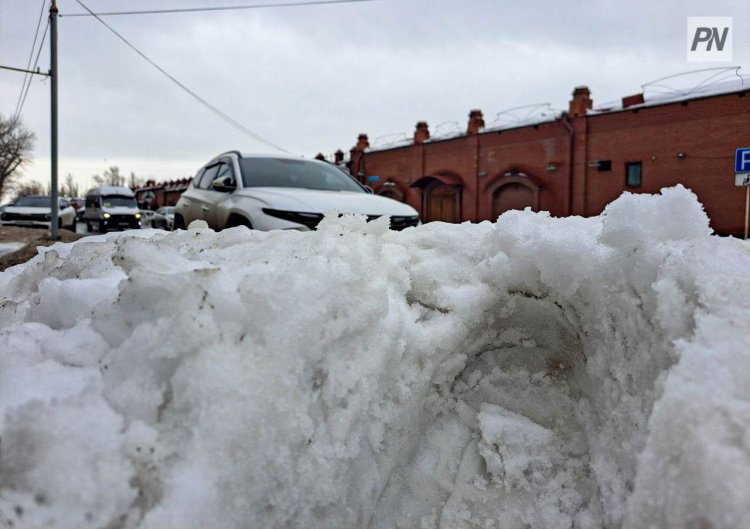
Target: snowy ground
[[533, 373]]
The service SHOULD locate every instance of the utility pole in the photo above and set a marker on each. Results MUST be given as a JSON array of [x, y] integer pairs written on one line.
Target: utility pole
[[53, 118]]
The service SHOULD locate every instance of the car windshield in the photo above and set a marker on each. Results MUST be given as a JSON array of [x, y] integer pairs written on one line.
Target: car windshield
[[282, 172], [118, 201], [33, 202]]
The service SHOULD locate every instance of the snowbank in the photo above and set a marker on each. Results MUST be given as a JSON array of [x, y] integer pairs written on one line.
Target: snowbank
[[535, 372]]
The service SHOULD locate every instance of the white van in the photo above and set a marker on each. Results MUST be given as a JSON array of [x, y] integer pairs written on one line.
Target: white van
[[112, 208]]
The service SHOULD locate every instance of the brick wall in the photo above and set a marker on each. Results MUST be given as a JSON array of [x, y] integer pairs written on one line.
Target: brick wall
[[551, 166]]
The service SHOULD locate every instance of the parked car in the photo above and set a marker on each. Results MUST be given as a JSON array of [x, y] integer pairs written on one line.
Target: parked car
[[267, 192], [112, 208], [163, 218], [36, 211]]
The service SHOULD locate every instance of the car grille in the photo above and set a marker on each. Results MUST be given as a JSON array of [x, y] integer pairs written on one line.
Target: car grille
[[401, 223], [311, 220], [122, 220], [43, 217]]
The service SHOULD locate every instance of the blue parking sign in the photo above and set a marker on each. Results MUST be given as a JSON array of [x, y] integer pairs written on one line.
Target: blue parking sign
[[742, 160]]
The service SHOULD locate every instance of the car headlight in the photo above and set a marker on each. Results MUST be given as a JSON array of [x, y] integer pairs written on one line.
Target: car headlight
[[138, 215], [107, 215]]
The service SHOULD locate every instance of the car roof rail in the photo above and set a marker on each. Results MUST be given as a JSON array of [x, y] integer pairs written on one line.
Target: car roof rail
[[234, 151]]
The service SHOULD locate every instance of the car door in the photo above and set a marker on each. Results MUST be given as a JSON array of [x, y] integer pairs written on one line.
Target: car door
[[91, 212], [157, 220], [215, 217], [198, 204], [189, 199], [66, 213]]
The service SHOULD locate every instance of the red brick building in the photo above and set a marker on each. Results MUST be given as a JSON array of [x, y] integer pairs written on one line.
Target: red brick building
[[154, 195], [574, 162]]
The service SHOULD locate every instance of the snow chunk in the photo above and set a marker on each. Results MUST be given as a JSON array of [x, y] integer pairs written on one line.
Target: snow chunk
[[198, 225]]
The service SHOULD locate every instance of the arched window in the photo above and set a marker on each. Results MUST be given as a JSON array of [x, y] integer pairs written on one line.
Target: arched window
[[392, 190]]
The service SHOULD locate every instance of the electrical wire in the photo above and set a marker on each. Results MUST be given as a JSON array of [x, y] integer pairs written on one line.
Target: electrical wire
[[236, 124], [28, 64], [218, 8], [36, 62]]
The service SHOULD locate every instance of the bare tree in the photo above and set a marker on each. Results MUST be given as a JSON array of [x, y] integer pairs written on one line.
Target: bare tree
[[134, 181], [70, 188], [16, 144], [32, 187], [111, 177]]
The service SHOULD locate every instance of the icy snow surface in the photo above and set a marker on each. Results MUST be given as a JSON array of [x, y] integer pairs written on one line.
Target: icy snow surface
[[529, 373]]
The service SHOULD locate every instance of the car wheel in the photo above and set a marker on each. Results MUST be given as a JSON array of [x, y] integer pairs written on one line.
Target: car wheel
[[238, 220], [179, 222]]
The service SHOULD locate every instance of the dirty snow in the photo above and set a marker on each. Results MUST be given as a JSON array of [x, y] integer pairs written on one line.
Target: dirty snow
[[534, 372], [10, 247]]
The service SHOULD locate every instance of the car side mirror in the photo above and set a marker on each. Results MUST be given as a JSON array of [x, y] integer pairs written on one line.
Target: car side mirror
[[224, 184], [369, 190]]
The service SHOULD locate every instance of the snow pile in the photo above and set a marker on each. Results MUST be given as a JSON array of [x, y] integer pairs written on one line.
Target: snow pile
[[534, 372]]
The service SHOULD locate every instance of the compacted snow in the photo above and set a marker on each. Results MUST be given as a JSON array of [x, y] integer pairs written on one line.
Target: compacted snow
[[530, 373]]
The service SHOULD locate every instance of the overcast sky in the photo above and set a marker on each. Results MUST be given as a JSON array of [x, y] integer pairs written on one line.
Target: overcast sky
[[311, 78]]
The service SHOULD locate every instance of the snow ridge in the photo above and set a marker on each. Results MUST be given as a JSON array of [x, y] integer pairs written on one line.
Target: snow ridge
[[534, 372]]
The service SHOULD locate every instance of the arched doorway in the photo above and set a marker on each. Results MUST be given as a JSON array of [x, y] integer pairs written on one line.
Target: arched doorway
[[512, 196], [442, 204], [441, 197], [513, 190]]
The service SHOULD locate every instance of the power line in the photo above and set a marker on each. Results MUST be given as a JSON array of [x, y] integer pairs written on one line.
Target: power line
[[28, 64], [36, 62], [30, 72], [218, 8], [236, 124]]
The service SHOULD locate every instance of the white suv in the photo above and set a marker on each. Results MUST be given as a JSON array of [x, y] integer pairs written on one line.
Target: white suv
[[268, 192], [33, 210]]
